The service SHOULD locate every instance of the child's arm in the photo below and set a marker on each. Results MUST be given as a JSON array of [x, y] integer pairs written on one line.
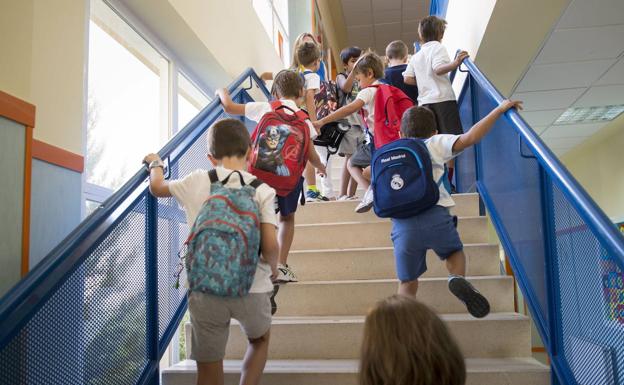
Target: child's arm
[[346, 85], [340, 113], [309, 102], [411, 80], [158, 186], [483, 126], [266, 76], [269, 246], [228, 105], [446, 68], [315, 161]]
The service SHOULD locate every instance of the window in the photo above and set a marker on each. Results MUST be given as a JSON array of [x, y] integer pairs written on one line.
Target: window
[[190, 101], [273, 15]]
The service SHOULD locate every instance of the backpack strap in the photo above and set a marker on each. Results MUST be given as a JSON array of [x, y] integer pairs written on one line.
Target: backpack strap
[[256, 183], [214, 178]]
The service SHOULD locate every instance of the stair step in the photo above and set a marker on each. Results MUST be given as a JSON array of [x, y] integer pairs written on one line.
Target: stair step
[[358, 297], [466, 205], [378, 263], [499, 335], [502, 371], [371, 234]]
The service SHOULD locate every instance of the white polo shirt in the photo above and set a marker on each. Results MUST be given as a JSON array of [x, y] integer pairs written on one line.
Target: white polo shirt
[[432, 88]]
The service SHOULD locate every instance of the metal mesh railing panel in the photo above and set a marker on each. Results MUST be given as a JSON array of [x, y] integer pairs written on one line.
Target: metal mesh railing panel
[[591, 294], [93, 328]]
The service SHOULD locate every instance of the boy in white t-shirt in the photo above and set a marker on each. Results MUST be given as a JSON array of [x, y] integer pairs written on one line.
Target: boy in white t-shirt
[[288, 87], [368, 70], [428, 69], [309, 57], [435, 228], [229, 145]]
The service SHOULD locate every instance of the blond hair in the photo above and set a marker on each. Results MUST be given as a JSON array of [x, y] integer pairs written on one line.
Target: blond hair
[[294, 64], [405, 343]]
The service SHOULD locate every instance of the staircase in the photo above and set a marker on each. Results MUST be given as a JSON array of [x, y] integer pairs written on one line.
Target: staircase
[[345, 264]]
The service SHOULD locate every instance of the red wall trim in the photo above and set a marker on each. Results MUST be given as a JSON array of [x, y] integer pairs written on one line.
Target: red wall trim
[[17, 110], [57, 156]]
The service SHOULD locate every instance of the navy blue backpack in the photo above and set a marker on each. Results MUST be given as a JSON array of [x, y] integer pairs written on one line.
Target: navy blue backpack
[[402, 179]]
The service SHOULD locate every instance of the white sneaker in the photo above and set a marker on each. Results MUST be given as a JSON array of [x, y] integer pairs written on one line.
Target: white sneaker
[[367, 202], [347, 198], [285, 274]]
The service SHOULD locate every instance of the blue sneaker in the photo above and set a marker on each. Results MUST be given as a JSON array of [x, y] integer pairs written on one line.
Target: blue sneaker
[[315, 196]]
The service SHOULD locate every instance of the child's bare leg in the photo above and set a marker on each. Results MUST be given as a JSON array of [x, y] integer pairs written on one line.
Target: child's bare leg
[[356, 173], [408, 287], [352, 186], [309, 175], [456, 263], [345, 177], [366, 174], [285, 234], [255, 359], [210, 373]]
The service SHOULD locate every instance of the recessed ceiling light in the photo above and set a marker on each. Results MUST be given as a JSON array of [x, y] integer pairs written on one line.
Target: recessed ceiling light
[[589, 114]]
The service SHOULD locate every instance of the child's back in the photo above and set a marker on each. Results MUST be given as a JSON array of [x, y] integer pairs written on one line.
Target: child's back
[[397, 54]]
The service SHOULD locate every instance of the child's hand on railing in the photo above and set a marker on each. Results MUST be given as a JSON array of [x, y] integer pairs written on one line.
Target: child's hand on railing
[[459, 58], [149, 158], [508, 104]]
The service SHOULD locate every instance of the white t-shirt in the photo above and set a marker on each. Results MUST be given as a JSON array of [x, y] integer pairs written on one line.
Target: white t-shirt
[[432, 88], [441, 151], [367, 95], [312, 81], [193, 190], [256, 110]]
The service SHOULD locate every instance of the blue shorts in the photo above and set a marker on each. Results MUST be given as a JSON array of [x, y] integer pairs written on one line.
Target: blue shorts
[[434, 229], [288, 204]]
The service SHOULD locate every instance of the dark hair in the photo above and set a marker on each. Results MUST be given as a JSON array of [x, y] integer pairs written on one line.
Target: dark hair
[[349, 53], [431, 28], [396, 50], [308, 53], [287, 84], [370, 61], [406, 343], [228, 137], [418, 122]]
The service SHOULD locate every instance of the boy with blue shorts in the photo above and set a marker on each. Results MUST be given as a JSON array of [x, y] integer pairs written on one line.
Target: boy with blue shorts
[[435, 228]]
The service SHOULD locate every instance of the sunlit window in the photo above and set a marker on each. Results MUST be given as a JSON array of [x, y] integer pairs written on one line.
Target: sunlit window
[[273, 15], [190, 101]]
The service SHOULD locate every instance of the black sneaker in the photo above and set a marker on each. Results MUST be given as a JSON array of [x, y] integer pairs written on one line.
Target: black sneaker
[[477, 305], [273, 303]]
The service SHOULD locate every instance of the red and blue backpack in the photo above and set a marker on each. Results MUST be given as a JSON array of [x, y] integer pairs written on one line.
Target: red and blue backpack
[[280, 144]]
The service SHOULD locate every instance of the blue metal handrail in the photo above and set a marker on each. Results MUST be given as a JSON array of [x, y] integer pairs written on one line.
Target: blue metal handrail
[[22, 302], [478, 93]]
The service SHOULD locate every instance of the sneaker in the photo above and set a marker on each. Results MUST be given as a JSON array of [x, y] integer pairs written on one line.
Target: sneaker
[[347, 198], [477, 305], [285, 274], [273, 303], [367, 202], [315, 196]]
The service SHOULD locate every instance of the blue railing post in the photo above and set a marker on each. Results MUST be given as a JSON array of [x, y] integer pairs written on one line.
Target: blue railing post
[[151, 289]]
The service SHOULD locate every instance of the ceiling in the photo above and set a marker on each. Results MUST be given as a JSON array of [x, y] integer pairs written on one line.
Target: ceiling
[[581, 64], [375, 23]]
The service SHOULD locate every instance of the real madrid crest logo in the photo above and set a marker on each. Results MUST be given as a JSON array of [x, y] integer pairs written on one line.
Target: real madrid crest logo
[[396, 183]]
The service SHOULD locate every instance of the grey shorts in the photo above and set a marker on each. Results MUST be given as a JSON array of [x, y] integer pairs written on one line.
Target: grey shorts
[[349, 142], [362, 156], [210, 317]]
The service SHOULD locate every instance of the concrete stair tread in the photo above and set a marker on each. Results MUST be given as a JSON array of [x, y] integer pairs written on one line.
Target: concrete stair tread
[[359, 319], [380, 248], [377, 220], [473, 365], [392, 280]]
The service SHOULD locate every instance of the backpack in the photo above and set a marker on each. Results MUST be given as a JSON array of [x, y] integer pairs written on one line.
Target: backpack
[[331, 136], [326, 99], [280, 144], [402, 179], [224, 243], [390, 104]]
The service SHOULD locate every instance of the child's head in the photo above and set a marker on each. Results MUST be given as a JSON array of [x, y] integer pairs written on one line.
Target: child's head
[[305, 37], [228, 138], [397, 50], [369, 68], [418, 122], [405, 343], [349, 56], [287, 84], [431, 28], [309, 56]]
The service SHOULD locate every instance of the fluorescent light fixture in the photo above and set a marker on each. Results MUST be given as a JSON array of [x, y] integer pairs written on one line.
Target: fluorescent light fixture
[[589, 114]]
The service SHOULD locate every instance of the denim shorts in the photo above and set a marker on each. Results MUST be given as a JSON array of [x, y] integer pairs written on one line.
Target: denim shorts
[[432, 229]]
